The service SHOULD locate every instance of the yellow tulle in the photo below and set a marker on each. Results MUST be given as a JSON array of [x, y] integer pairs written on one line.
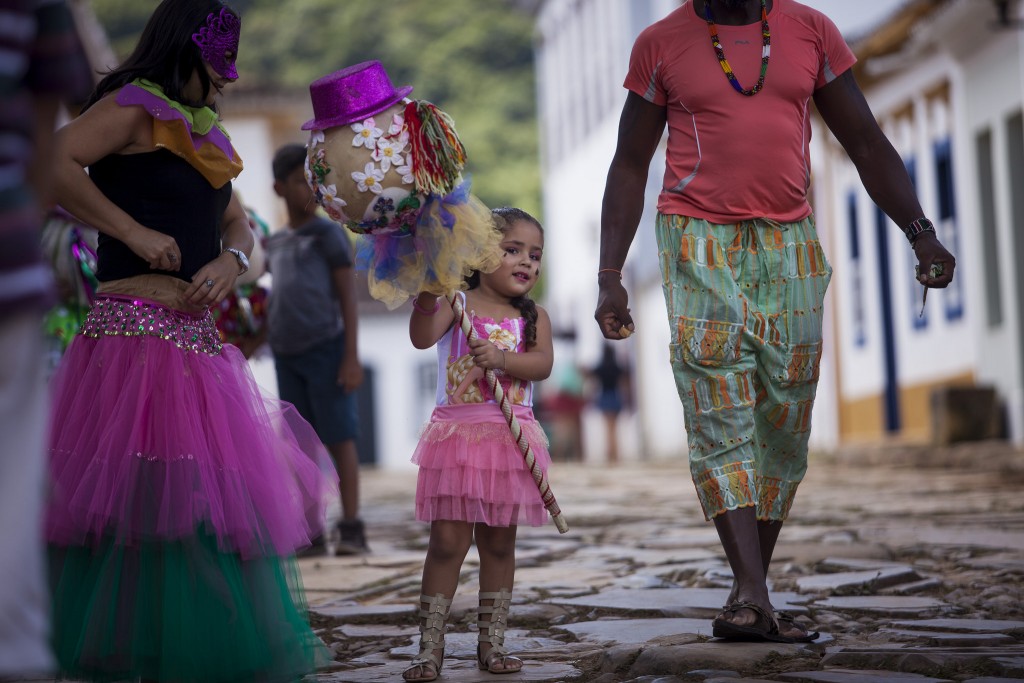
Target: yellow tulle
[[454, 236]]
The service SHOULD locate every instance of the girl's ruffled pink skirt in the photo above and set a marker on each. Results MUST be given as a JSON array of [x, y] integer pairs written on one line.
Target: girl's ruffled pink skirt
[[179, 495], [471, 469]]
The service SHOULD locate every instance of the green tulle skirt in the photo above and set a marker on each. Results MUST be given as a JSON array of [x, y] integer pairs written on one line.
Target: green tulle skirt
[[179, 611]]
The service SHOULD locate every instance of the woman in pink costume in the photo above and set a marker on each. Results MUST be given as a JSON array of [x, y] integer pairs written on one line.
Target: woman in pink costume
[[180, 493], [473, 482]]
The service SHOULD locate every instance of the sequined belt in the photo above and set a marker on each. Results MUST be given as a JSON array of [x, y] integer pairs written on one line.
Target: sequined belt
[[122, 316]]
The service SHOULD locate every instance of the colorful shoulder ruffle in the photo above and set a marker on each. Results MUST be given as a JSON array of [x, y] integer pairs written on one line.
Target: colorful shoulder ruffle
[[193, 133]]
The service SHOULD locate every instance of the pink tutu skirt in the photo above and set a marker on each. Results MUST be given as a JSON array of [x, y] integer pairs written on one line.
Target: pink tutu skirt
[[471, 469], [179, 495], [156, 434]]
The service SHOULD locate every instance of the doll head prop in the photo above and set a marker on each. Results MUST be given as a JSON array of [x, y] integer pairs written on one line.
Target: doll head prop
[[373, 156], [390, 170]]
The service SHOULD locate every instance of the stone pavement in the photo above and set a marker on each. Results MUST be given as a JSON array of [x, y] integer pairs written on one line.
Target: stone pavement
[[910, 561]]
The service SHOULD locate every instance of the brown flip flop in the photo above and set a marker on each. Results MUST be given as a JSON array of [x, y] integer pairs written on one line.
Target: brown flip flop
[[722, 628]]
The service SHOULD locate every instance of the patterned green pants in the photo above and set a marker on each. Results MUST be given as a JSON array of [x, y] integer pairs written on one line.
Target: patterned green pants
[[745, 307]]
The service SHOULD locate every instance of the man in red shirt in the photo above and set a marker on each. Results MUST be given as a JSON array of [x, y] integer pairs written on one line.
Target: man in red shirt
[[744, 272]]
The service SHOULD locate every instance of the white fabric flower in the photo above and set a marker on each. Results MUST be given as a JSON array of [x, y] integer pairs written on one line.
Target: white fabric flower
[[307, 172], [333, 204], [366, 134], [406, 173], [330, 193], [401, 142], [388, 152], [316, 137], [369, 179], [397, 124]]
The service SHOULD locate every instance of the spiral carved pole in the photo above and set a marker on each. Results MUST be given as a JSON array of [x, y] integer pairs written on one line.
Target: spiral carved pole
[[550, 504]]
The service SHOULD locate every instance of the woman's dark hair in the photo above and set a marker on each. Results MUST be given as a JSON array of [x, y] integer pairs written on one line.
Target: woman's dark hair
[[165, 53], [504, 217]]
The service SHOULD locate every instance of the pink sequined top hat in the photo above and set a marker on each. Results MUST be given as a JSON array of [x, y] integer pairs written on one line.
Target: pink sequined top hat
[[351, 95]]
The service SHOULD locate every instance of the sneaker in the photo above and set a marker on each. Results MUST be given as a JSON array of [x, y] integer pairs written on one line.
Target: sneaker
[[352, 539]]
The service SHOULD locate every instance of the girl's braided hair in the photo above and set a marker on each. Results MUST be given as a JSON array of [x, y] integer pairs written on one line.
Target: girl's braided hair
[[504, 217]]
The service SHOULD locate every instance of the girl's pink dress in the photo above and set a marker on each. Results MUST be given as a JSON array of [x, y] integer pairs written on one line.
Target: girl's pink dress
[[471, 469]]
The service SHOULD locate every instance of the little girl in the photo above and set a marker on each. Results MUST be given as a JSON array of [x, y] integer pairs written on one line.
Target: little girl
[[472, 479]]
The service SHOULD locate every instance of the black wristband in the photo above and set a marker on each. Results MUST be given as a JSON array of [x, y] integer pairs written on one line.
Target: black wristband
[[918, 228]]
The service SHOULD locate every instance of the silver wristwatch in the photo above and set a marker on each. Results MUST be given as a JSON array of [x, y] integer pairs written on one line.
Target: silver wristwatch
[[243, 260]]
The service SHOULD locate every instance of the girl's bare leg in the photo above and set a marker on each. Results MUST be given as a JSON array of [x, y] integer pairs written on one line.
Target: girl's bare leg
[[446, 551], [497, 548]]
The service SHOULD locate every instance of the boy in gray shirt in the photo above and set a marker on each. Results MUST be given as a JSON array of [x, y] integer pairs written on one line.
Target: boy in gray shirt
[[312, 324]]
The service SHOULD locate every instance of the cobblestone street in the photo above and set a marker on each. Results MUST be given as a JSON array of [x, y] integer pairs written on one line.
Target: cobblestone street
[[910, 561]]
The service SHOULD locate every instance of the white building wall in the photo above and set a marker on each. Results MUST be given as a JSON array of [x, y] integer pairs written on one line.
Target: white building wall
[[992, 94], [251, 137], [405, 379], [982, 66]]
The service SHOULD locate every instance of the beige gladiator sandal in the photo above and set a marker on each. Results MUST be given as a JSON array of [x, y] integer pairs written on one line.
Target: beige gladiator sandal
[[492, 632], [427, 665]]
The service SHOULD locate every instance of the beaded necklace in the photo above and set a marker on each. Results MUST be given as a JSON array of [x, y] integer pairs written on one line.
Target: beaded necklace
[[766, 42]]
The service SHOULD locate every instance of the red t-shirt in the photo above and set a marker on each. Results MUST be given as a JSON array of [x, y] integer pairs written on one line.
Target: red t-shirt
[[732, 157]]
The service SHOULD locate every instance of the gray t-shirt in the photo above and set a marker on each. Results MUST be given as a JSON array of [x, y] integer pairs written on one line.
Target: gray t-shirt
[[304, 309]]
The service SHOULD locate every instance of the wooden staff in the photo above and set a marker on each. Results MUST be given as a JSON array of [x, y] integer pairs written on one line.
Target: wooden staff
[[550, 504]]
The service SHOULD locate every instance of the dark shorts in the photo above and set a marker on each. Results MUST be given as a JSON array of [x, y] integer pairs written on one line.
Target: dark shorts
[[609, 401], [309, 381]]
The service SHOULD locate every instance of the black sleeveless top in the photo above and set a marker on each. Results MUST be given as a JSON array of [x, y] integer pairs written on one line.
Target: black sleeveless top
[[165, 193]]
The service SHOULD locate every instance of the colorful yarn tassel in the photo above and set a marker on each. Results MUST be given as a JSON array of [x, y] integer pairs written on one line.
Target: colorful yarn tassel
[[438, 155]]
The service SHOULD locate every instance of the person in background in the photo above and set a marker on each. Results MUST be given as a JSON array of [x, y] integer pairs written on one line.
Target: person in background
[[612, 396], [561, 412], [744, 274], [313, 332], [43, 68]]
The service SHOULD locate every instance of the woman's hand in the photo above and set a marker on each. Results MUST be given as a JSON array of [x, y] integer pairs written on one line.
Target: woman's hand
[[160, 251], [213, 282], [486, 355]]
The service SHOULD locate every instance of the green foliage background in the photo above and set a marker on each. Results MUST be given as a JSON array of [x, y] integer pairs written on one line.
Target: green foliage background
[[472, 58]]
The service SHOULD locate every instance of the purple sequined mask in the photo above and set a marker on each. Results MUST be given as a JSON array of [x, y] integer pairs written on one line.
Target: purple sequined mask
[[217, 37]]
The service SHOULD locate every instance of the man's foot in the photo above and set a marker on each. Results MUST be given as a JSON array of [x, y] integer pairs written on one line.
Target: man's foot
[[742, 620], [789, 627], [352, 539]]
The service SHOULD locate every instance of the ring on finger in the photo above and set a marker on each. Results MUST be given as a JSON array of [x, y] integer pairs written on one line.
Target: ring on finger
[[172, 258], [210, 283]]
